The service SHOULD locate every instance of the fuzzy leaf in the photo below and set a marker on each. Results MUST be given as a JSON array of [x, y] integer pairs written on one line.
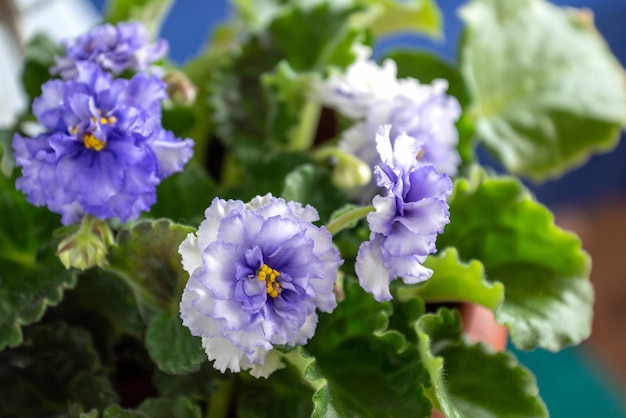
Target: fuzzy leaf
[[31, 276], [167, 408], [171, 346], [199, 385], [548, 296], [544, 95], [311, 184], [455, 281], [360, 369], [258, 397], [467, 379], [371, 376], [146, 256], [56, 367]]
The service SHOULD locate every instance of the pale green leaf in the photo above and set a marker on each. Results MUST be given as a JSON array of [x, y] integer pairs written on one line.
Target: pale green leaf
[[455, 281], [548, 297], [393, 16], [546, 91]]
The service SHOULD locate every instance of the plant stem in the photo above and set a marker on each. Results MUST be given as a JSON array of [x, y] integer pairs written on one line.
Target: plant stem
[[220, 400], [304, 133], [348, 218]]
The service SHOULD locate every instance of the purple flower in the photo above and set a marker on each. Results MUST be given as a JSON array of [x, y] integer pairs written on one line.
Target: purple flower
[[405, 223], [114, 48], [258, 272], [103, 151]]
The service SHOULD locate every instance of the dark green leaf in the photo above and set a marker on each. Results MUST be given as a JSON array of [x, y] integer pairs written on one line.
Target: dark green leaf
[[548, 297], [116, 411], [371, 376], [38, 58], [283, 394], [311, 184], [170, 408], [54, 368], [151, 13], [468, 379], [198, 385], [184, 196], [31, 277], [544, 95], [146, 256], [171, 346], [357, 314]]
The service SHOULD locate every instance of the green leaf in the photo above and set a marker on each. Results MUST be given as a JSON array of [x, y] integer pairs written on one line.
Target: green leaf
[[311, 184], [544, 95], [151, 13], [422, 16], [38, 58], [284, 394], [55, 367], [171, 346], [116, 411], [199, 385], [31, 276], [371, 376], [548, 297], [455, 281], [360, 369], [146, 256], [467, 379], [357, 314], [103, 295], [249, 108], [167, 408]]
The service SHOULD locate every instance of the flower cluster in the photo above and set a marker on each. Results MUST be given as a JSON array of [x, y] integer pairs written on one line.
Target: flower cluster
[[258, 272], [372, 95], [405, 223], [116, 49], [103, 149]]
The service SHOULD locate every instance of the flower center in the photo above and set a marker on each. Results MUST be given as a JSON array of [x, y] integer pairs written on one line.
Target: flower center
[[269, 275], [90, 141]]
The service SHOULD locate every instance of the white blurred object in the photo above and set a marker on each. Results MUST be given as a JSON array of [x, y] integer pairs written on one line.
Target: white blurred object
[[59, 19]]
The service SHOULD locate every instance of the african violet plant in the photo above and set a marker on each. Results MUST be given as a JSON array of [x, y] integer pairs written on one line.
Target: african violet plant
[[286, 226]]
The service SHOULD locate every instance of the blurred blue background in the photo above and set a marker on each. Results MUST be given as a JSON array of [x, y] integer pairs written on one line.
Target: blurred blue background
[[572, 383]]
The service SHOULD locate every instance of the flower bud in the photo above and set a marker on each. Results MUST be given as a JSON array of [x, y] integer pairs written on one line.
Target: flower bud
[[88, 246], [179, 88], [350, 172]]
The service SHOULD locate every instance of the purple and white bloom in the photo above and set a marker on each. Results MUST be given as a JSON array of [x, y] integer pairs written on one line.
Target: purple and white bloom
[[258, 272], [364, 82], [422, 111], [406, 222], [103, 150], [115, 48]]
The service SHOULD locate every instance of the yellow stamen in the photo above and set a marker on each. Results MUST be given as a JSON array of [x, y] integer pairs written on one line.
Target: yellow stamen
[[269, 275], [91, 142]]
